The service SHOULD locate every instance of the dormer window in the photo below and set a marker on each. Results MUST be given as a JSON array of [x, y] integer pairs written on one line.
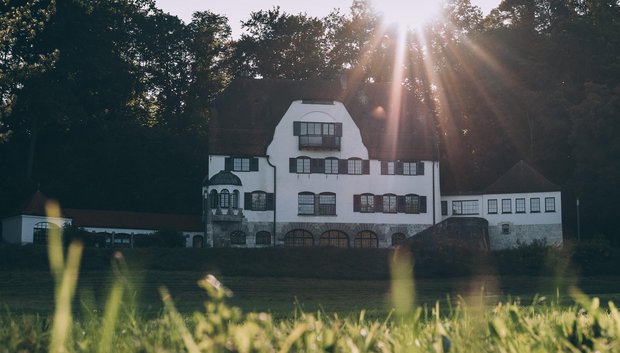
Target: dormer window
[[312, 135]]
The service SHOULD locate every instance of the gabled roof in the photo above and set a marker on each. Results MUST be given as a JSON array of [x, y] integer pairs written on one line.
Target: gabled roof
[[134, 220], [35, 206], [245, 115], [521, 178]]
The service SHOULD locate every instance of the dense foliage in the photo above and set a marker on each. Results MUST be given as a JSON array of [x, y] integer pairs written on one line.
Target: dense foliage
[[105, 104]]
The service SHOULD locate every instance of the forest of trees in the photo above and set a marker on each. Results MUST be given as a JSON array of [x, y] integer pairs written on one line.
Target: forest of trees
[[105, 104]]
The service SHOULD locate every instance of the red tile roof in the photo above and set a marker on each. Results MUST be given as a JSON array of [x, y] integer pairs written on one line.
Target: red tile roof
[[246, 114], [135, 220]]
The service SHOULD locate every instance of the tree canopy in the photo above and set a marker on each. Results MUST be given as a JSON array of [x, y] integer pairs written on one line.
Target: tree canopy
[[105, 104]]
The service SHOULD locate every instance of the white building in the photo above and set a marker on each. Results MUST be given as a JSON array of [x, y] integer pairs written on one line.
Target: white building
[[30, 225], [310, 163]]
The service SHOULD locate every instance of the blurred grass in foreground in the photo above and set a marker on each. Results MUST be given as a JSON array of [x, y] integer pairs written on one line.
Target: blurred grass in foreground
[[540, 326]]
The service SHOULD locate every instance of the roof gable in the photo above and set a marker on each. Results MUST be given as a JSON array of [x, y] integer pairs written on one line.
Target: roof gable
[[521, 178], [245, 115]]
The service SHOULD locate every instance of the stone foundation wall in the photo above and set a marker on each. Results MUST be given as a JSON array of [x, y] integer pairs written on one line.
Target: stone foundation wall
[[550, 234], [220, 232]]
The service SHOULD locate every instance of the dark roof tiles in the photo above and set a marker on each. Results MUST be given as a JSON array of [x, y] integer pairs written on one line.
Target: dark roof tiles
[[521, 178], [245, 115]]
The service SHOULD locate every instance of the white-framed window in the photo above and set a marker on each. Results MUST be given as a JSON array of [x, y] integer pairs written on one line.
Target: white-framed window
[[535, 205], [389, 203], [367, 203], [549, 204], [354, 166], [506, 206], [305, 203], [327, 204], [224, 198], [303, 165], [391, 168], [410, 168], [492, 206], [241, 164], [331, 165], [259, 201], [412, 203], [465, 207], [520, 205]]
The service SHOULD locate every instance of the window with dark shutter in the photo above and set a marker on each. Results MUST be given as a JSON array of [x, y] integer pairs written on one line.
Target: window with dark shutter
[[398, 168], [400, 204], [317, 165], [384, 168], [228, 164], [254, 164], [444, 208], [247, 201], [378, 203], [357, 200], [366, 167], [343, 166], [292, 165], [296, 128], [271, 201], [420, 168], [422, 204]]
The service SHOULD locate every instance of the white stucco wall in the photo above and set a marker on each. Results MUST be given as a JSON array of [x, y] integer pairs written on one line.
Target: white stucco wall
[[285, 145], [20, 229]]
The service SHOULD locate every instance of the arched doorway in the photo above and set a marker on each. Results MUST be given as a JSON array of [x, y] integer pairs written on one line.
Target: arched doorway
[[198, 241]]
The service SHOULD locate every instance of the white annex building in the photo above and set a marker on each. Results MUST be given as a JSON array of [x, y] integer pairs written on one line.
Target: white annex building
[[317, 163]]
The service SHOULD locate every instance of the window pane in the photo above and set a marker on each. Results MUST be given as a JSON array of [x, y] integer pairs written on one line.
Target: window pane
[[259, 201], [492, 206], [466, 207], [354, 166], [327, 204], [389, 203], [409, 168], [549, 204], [367, 203], [520, 205], [506, 206], [303, 129], [306, 204], [331, 166], [412, 204], [535, 205], [390, 168]]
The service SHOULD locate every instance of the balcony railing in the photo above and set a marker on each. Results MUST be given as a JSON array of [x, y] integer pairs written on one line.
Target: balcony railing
[[324, 142], [226, 214]]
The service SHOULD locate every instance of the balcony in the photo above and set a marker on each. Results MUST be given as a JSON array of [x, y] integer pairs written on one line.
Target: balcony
[[319, 142], [225, 215]]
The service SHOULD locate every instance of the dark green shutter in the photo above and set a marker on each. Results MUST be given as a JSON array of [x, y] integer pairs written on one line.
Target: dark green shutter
[[254, 164], [357, 203], [365, 167], [343, 166], [384, 168], [296, 128], [271, 202], [422, 204], [317, 165], [338, 129], [420, 168], [247, 201], [400, 204], [378, 203], [228, 164], [292, 165], [398, 168]]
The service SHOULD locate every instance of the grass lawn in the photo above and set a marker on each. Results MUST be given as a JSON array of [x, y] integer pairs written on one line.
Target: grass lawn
[[32, 291]]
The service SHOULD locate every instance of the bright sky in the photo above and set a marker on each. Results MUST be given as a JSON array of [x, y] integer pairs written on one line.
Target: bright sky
[[238, 10]]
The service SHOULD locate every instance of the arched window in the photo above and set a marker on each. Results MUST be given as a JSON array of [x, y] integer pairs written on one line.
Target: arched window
[[263, 238], [213, 199], [303, 165], [198, 241], [389, 203], [412, 203], [367, 203], [305, 203], [298, 238], [354, 166], [366, 239], [398, 238], [237, 238], [235, 199], [122, 240], [224, 199], [41, 231], [334, 238]]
